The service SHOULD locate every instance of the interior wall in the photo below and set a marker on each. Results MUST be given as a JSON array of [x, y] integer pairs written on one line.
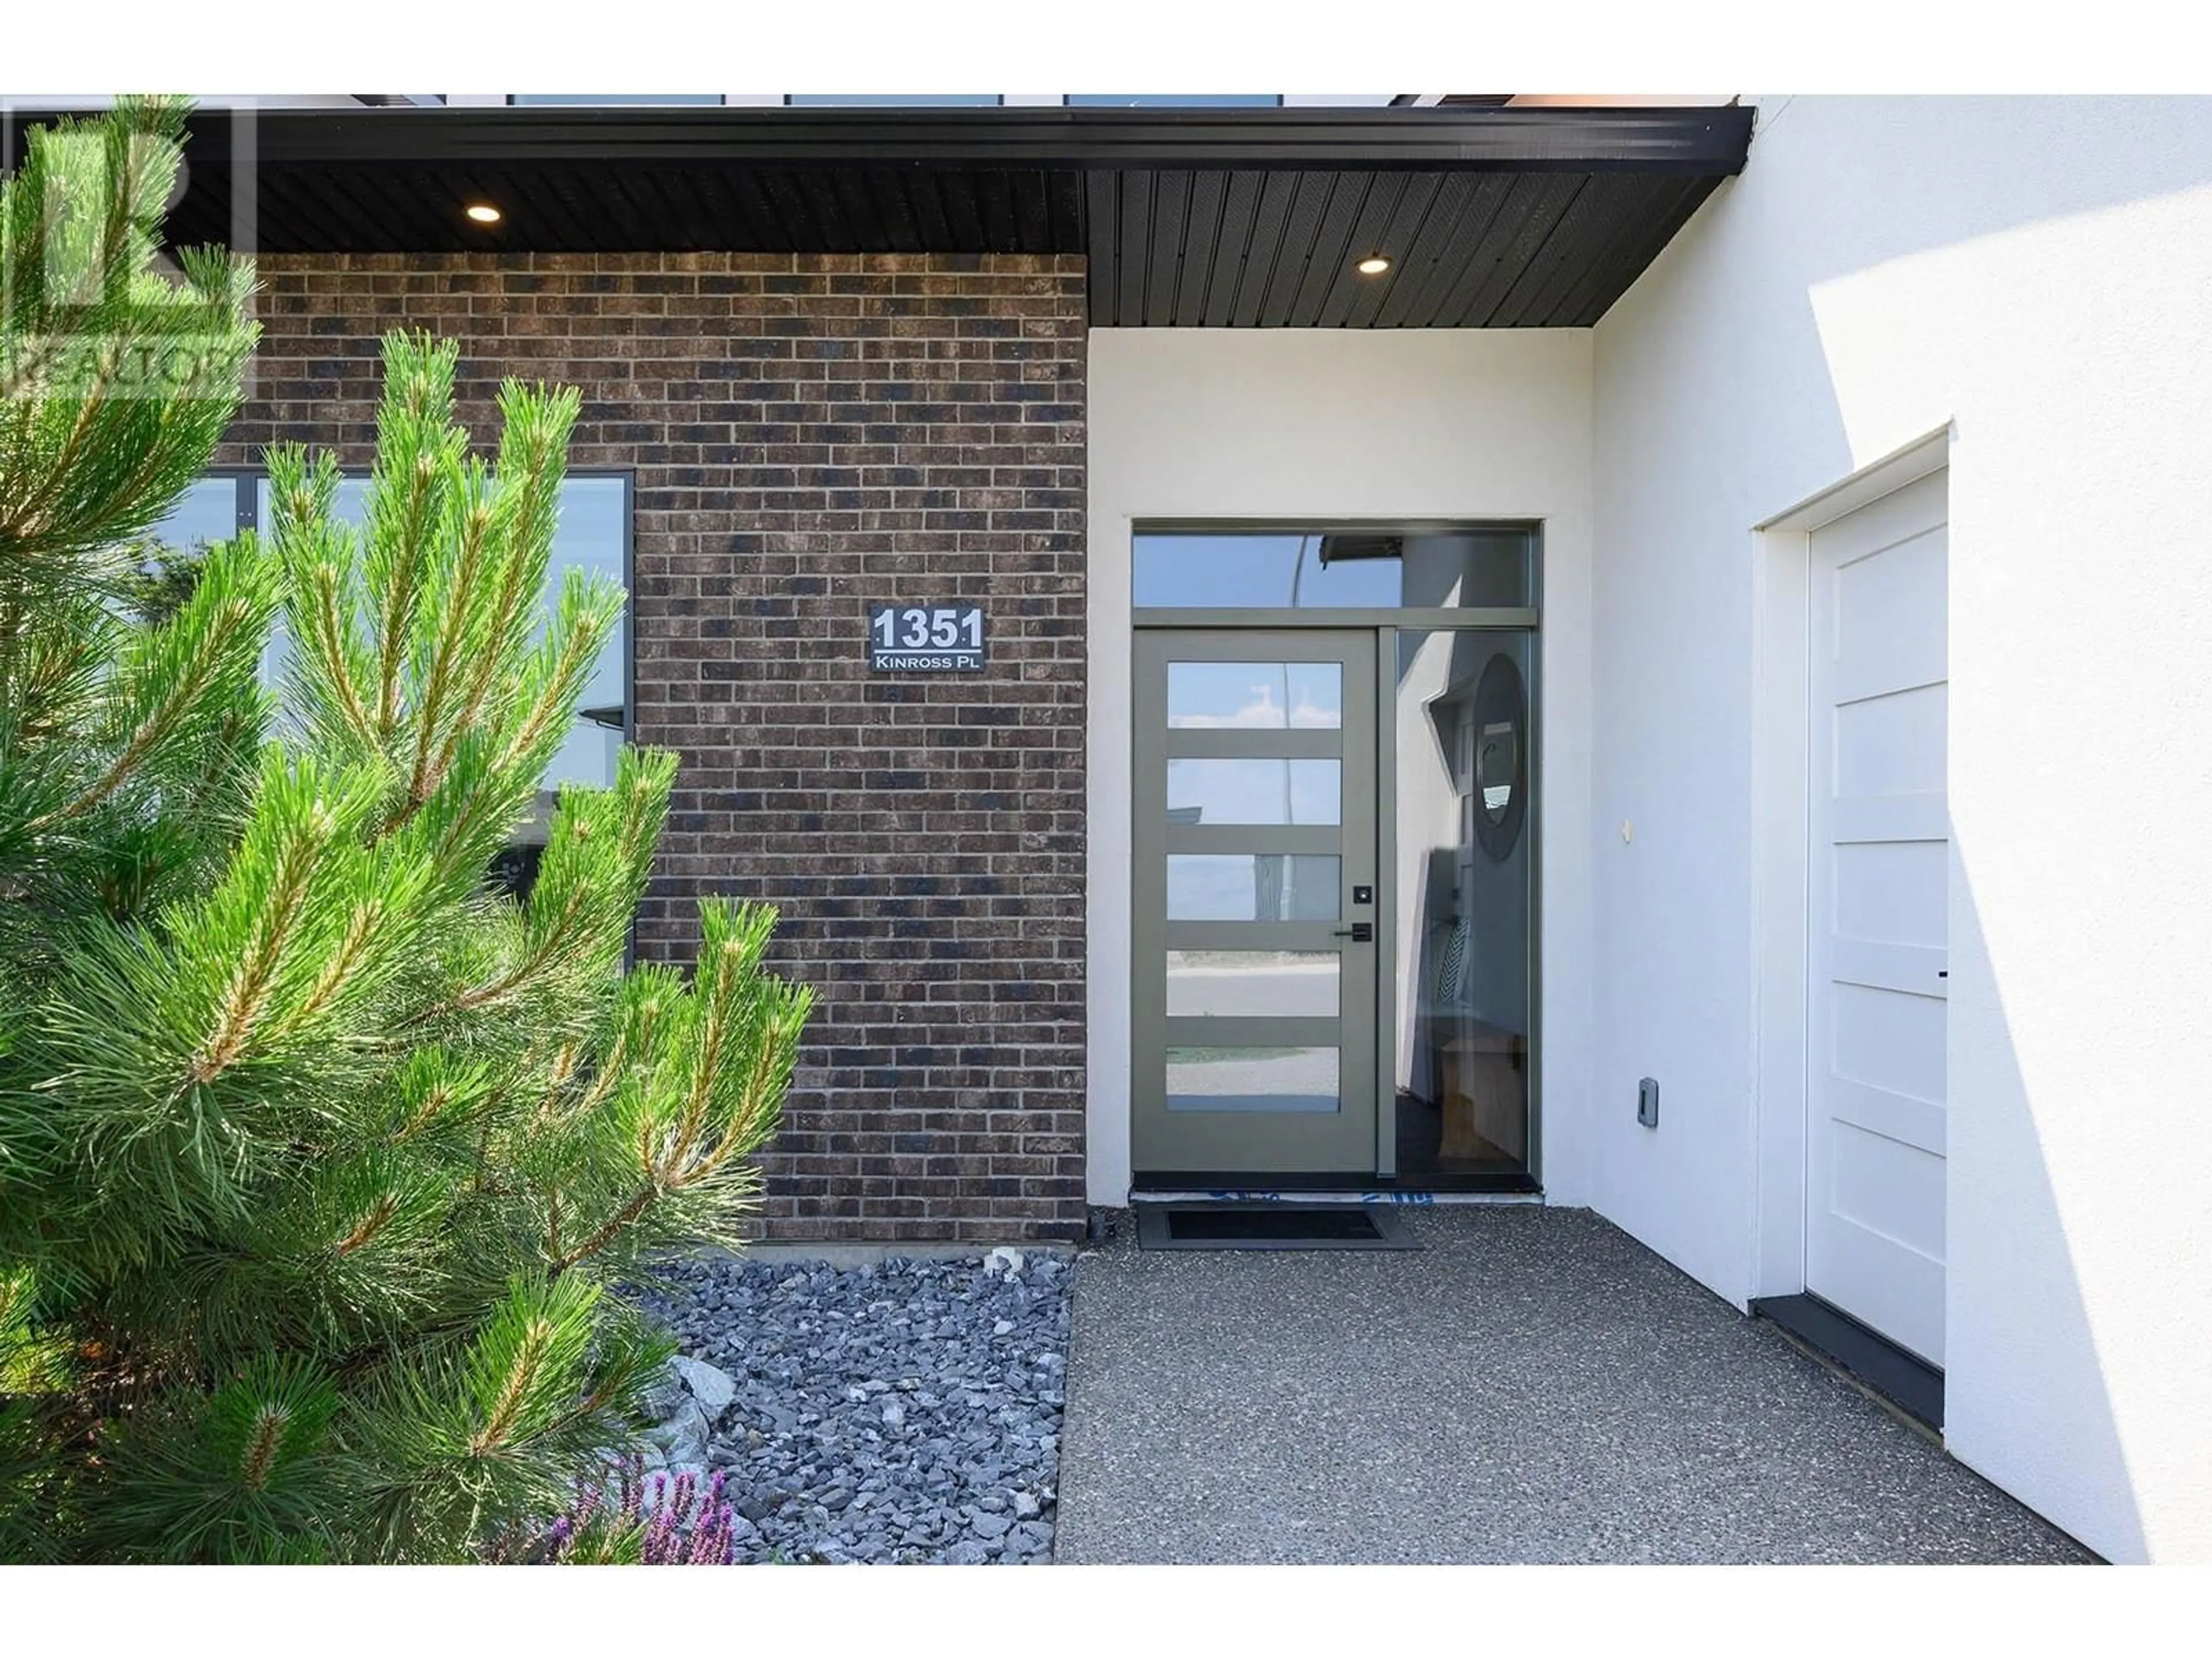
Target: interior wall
[[1336, 424], [2037, 274]]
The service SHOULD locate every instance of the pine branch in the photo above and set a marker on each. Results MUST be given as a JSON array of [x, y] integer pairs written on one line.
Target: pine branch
[[573, 653], [609, 1229], [362, 928], [267, 1435], [505, 986], [476, 529], [249, 990], [315, 552], [371, 1224], [416, 448], [218, 632]]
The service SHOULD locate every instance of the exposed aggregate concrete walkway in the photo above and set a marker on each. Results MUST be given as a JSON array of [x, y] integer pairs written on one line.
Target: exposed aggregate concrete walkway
[[1534, 1386]]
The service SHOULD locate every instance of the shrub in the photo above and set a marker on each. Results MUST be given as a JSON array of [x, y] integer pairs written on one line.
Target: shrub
[[318, 1154]]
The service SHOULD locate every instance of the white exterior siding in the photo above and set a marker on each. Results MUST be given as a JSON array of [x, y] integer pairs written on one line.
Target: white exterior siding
[[1337, 423], [2038, 273]]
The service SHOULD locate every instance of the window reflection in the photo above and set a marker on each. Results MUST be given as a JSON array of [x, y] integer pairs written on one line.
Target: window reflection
[[1253, 791], [1255, 697], [1253, 1080], [1463, 958], [892, 99], [1355, 571], [591, 533], [207, 512], [1252, 887], [590, 537], [611, 98], [1288, 984]]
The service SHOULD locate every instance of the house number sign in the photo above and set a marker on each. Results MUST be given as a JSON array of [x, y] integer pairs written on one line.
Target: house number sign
[[924, 638]]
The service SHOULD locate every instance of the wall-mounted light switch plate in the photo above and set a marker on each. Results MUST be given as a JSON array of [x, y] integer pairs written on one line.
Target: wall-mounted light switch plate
[[1647, 1102]]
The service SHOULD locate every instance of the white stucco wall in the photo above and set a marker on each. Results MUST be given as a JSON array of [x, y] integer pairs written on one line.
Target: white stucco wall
[[1338, 424], [2039, 274]]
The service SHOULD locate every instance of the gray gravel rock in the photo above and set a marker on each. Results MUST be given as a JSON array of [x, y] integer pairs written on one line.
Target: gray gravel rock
[[903, 1411], [664, 1394], [682, 1436], [708, 1384]]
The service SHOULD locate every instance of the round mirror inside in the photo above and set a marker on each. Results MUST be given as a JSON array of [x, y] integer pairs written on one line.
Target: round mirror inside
[[1501, 777]]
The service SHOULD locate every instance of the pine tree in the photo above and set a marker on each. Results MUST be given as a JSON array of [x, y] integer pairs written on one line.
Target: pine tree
[[319, 1155]]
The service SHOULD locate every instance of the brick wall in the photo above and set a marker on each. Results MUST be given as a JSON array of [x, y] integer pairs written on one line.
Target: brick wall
[[808, 435]]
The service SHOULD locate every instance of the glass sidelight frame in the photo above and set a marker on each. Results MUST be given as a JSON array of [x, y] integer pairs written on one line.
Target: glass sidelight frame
[[1384, 626]]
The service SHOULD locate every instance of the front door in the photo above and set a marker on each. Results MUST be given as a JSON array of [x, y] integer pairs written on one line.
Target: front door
[[1255, 994]]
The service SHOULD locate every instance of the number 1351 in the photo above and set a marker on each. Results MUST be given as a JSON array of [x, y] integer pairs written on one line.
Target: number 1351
[[916, 627]]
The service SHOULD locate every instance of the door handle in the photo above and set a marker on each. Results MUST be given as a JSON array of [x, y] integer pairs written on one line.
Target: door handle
[[1361, 933]]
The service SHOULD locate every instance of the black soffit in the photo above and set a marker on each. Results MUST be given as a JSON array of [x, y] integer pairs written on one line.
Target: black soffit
[[1492, 216]]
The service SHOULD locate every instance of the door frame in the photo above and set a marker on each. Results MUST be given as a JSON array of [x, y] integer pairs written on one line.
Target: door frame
[[1782, 981], [1385, 624]]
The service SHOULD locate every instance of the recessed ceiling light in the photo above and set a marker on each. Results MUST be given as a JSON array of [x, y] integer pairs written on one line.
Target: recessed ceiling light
[[1374, 265], [484, 213]]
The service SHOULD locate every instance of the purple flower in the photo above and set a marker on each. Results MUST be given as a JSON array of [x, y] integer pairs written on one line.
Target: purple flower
[[657, 1509]]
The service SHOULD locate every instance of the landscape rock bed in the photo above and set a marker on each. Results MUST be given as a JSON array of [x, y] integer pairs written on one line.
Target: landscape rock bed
[[907, 1410]]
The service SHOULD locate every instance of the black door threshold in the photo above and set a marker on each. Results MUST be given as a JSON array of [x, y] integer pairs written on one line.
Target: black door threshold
[[1906, 1380], [1350, 1180]]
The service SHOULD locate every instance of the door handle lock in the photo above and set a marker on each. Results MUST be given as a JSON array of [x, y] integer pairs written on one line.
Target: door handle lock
[[1361, 933]]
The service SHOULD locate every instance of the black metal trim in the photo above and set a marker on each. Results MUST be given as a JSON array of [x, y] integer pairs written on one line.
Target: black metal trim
[[1503, 1182], [1703, 140], [1231, 525], [1906, 1380], [891, 101]]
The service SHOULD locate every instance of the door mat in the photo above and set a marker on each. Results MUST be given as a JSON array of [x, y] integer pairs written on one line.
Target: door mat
[[1268, 1226]]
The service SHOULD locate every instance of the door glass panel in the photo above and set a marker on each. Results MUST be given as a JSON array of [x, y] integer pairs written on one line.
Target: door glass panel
[[1464, 956], [1253, 1080], [1253, 887], [1255, 697], [1287, 984], [1360, 570], [1255, 791]]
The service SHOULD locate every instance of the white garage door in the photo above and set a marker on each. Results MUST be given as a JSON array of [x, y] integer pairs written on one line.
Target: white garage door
[[1879, 832]]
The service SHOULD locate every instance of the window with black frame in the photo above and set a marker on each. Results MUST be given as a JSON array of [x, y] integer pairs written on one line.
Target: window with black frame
[[592, 533]]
